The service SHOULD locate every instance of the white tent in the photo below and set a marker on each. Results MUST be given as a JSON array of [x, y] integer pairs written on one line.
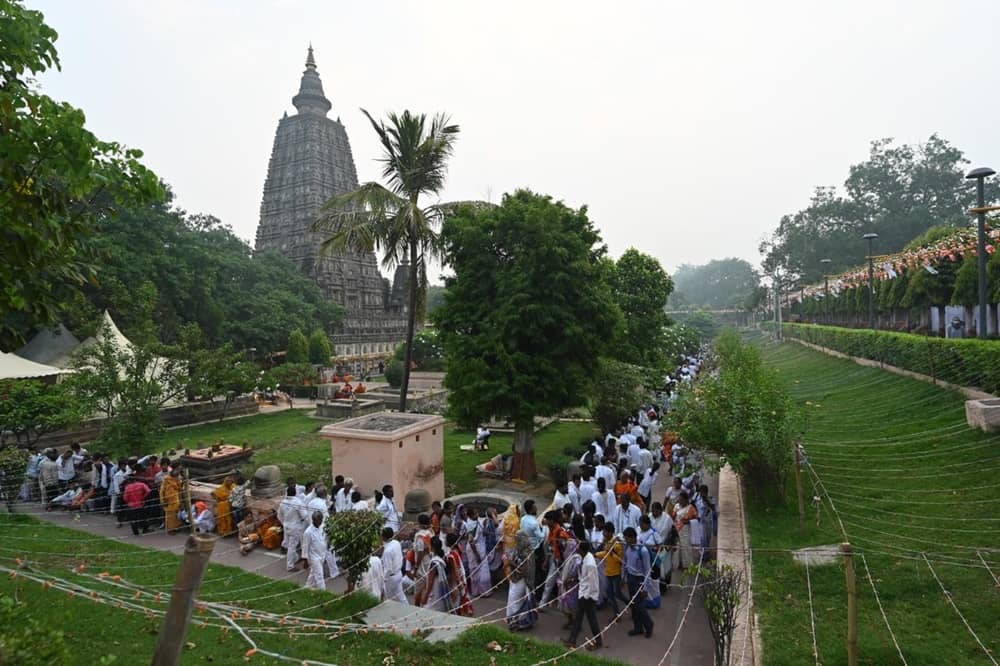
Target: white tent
[[13, 366], [51, 346], [117, 337]]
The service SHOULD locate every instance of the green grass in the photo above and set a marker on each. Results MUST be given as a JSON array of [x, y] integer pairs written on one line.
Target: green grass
[[93, 630], [883, 446], [291, 440]]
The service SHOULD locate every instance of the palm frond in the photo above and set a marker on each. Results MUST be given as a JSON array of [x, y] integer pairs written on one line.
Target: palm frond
[[356, 220]]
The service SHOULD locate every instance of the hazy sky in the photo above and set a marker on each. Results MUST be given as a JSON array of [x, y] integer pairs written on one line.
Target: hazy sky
[[687, 128]]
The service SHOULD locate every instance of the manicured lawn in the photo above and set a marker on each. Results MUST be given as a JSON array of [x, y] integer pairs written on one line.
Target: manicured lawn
[[291, 440], [906, 478], [93, 630]]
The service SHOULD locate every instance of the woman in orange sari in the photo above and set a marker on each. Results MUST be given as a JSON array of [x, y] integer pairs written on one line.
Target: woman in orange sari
[[223, 510], [170, 499]]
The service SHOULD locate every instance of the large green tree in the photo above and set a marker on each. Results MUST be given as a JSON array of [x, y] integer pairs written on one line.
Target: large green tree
[[394, 218], [640, 287], [199, 272], [717, 285], [527, 314], [899, 192], [56, 180]]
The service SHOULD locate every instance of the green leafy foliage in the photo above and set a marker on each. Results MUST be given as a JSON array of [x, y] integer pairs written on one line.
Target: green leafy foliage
[[196, 270], [719, 284], [13, 461], [967, 362], [353, 535], [129, 384], [527, 313], [298, 347], [618, 388], [288, 375], [744, 413], [640, 287], [27, 642], [428, 352], [319, 348], [394, 373], [30, 408], [56, 180], [214, 373], [900, 192]]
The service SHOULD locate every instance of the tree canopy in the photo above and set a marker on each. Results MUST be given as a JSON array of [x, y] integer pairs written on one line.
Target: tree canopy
[[720, 284], [640, 287], [196, 270], [527, 314], [57, 180], [899, 192]]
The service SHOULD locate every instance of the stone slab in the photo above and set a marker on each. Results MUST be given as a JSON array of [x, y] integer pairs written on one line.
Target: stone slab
[[405, 619]]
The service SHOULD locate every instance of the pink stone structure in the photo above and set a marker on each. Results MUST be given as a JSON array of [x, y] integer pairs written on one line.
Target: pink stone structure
[[405, 450]]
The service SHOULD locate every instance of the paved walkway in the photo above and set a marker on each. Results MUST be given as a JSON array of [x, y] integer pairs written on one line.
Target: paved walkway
[[692, 647]]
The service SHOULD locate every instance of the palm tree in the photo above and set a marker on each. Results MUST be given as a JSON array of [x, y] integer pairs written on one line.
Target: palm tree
[[391, 218]]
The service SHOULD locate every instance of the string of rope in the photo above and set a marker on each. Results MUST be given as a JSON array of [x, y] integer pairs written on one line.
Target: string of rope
[[947, 595], [885, 617]]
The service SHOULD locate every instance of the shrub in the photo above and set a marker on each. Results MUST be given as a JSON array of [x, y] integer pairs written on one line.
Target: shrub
[[394, 373], [319, 348], [744, 413], [353, 535], [617, 389], [967, 362], [24, 640], [558, 469], [298, 348]]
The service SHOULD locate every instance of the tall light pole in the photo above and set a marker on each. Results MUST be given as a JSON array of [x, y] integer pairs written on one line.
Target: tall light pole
[[777, 300], [871, 280], [826, 290], [980, 175]]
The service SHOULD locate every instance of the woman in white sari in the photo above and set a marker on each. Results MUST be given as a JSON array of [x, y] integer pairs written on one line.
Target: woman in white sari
[[521, 613], [435, 594]]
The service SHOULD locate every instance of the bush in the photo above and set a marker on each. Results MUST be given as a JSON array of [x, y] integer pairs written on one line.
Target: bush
[[558, 469], [743, 413], [616, 392], [298, 348], [967, 362], [319, 348], [394, 373], [353, 535], [26, 641]]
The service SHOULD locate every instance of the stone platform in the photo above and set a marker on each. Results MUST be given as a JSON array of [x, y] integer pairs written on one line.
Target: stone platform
[[215, 462], [405, 619]]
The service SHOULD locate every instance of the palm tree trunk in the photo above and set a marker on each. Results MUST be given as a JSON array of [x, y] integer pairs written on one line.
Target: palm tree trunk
[[411, 322]]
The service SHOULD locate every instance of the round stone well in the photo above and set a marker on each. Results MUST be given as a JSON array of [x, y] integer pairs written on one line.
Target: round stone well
[[405, 450]]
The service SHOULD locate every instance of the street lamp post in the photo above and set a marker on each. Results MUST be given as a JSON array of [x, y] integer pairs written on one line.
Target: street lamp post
[[871, 280], [826, 291], [980, 175]]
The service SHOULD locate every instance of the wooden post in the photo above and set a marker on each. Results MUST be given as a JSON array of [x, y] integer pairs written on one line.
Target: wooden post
[[852, 605], [170, 644], [798, 485]]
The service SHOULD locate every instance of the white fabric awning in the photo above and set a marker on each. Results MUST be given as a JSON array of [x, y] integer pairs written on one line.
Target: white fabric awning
[[13, 366]]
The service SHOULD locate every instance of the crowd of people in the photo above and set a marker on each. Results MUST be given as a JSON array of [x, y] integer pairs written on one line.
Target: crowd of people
[[604, 541]]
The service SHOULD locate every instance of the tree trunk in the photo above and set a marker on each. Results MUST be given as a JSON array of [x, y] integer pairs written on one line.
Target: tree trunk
[[411, 322], [524, 451]]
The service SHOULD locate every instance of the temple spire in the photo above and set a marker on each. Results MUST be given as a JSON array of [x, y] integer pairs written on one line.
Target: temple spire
[[311, 98]]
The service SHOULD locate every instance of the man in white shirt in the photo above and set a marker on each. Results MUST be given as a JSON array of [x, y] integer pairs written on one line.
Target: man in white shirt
[[604, 501], [633, 451], [358, 504], [644, 458], [387, 507], [314, 549], [562, 497], [319, 503], [342, 502], [646, 484], [392, 565], [604, 471], [372, 580], [588, 486], [293, 516], [587, 595], [574, 493], [627, 515], [67, 469]]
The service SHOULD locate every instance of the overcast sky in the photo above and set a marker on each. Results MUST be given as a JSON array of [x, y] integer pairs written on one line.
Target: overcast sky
[[687, 128]]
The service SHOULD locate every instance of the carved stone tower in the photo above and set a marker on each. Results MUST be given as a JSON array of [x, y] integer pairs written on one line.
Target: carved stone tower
[[311, 162]]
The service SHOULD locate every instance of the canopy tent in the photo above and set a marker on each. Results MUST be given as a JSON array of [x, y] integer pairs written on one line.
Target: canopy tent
[[50, 346], [116, 336], [13, 366]]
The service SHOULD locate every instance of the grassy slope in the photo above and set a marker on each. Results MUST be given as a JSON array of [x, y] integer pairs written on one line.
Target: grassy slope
[[291, 440], [93, 630], [883, 445]]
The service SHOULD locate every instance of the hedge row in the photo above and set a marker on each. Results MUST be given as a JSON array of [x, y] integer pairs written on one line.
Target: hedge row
[[967, 362]]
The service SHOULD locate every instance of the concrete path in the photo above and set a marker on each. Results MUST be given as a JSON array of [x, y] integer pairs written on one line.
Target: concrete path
[[692, 646]]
